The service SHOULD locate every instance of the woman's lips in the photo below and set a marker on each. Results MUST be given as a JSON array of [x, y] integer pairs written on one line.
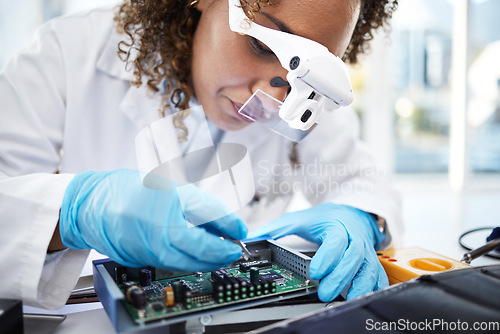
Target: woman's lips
[[236, 107]]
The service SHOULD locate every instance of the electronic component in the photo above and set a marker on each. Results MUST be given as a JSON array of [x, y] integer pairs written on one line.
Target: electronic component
[[198, 293], [177, 287], [127, 285], [145, 277], [138, 298], [121, 275], [169, 296], [218, 275], [271, 277], [261, 264], [257, 289], [197, 296], [218, 293], [254, 275], [128, 292], [157, 307], [244, 288], [235, 286]]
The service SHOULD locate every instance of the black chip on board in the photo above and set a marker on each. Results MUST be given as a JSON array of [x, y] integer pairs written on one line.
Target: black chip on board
[[262, 264], [272, 277], [157, 307]]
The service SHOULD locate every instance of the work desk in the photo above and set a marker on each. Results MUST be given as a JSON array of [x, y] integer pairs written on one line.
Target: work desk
[[434, 220], [91, 317]]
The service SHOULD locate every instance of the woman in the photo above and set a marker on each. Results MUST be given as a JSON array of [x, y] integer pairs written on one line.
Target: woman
[[68, 107]]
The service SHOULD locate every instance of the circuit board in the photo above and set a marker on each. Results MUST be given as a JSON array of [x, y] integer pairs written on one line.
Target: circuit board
[[147, 300]]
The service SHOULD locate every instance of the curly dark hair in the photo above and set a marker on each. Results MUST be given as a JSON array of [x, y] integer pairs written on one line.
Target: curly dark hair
[[161, 35]]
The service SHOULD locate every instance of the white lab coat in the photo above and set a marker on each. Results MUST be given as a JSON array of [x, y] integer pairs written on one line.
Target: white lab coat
[[67, 106]]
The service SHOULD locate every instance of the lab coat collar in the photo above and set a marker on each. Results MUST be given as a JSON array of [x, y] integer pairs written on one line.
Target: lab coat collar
[[110, 63], [139, 104]]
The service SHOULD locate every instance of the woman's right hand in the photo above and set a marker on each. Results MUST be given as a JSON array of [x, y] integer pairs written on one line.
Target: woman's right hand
[[115, 214]]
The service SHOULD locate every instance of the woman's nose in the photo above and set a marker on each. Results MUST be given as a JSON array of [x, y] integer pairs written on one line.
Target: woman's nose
[[273, 86]]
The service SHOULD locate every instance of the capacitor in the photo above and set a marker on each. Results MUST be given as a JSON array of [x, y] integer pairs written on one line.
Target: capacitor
[[169, 296], [145, 277], [127, 285], [254, 275], [138, 298], [128, 291], [177, 287]]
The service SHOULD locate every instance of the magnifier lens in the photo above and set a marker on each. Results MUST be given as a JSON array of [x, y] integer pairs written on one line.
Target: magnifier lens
[[263, 108]]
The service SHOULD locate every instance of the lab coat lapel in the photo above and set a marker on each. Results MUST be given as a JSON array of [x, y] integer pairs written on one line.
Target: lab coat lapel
[[139, 104], [109, 62]]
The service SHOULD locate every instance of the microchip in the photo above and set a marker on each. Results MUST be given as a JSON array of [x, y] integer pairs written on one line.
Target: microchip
[[218, 275], [262, 264], [197, 294], [272, 277], [157, 307]]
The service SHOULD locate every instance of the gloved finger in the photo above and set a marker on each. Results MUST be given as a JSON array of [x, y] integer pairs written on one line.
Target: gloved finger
[[335, 282], [183, 261], [383, 280], [365, 280], [329, 254], [201, 207], [204, 246], [230, 225], [168, 261], [278, 228]]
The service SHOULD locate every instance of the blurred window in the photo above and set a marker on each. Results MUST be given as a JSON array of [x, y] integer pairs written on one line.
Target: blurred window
[[484, 86], [403, 87]]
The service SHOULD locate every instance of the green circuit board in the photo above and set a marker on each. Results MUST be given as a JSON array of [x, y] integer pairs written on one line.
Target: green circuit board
[[201, 291]]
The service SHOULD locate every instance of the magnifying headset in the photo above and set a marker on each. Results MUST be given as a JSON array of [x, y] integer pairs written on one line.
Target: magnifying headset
[[317, 78]]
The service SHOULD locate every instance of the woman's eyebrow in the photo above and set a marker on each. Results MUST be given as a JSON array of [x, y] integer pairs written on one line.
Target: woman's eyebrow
[[280, 24]]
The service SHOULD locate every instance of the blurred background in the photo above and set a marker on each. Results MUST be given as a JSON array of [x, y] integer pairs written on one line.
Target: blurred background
[[428, 96]]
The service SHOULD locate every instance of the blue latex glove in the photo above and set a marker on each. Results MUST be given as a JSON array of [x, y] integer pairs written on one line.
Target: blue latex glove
[[113, 213], [347, 237]]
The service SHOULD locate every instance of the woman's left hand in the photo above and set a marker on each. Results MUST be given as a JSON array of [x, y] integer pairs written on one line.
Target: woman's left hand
[[348, 238]]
